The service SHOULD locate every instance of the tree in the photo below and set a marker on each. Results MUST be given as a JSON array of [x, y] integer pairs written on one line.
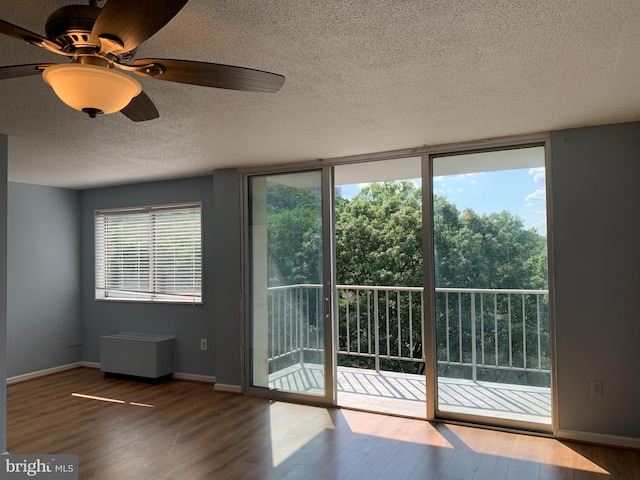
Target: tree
[[378, 236], [486, 251], [294, 233], [379, 242]]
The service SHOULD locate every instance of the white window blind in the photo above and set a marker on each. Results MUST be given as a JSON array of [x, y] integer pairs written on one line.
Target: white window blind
[[149, 254]]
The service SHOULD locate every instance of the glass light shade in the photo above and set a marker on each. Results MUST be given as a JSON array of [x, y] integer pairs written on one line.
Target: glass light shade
[[84, 86]]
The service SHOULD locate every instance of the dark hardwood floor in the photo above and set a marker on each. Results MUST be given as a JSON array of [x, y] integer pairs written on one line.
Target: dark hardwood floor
[[183, 430]]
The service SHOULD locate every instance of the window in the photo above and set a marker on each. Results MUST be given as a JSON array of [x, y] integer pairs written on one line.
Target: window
[[149, 254]]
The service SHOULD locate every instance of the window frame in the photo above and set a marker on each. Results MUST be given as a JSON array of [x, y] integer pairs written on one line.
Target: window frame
[[102, 293]]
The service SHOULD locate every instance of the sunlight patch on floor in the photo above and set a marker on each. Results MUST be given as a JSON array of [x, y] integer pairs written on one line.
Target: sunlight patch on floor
[[409, 430], [110, 400], [136, 404], [290, 433], [93, 397], [542, 450]]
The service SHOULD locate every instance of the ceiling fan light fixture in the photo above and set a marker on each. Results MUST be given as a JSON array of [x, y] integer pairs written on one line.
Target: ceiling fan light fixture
[[91, 88]]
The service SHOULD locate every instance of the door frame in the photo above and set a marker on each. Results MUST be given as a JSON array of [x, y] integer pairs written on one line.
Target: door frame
[[328, 275], [433, 413]]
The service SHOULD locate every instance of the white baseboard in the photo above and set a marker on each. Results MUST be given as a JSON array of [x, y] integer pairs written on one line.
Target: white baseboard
[[224, 387], [177, 375], [180, 376], [194, 378], [42, 373], [599, 438]]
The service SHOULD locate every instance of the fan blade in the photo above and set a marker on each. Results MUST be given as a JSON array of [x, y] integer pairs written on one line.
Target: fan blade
[[140, 109], [132, 22], [29, 37], [209, 75], [16, 71]]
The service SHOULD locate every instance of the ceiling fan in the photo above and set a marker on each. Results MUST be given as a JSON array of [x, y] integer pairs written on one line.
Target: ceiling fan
[[101, 44]]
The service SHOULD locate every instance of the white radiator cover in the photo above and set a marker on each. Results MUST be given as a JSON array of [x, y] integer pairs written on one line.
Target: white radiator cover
[[140, 355]]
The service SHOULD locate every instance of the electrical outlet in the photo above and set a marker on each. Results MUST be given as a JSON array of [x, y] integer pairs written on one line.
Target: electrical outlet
[[596, 388], [203, 344]]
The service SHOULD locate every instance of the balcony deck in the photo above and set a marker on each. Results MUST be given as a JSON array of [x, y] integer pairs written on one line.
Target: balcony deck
[[404, 393]]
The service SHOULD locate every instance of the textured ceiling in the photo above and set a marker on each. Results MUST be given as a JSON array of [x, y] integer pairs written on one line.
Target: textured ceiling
[[362, 76]]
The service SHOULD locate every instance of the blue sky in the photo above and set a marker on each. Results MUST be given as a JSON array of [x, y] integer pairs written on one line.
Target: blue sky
[[521, 192]]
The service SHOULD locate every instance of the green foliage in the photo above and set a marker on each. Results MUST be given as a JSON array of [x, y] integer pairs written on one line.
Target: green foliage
[[486, 251], [379, 241], [378, 236], [294, 235]]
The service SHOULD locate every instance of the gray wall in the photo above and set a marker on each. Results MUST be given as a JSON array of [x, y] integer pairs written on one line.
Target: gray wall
[[596, 227], [227, 278], [44, 327], [189, 323], [4, 162]]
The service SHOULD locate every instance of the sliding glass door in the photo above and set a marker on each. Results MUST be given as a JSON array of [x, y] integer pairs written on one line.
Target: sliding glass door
[[470, 324], [290, 284], [491, 289]]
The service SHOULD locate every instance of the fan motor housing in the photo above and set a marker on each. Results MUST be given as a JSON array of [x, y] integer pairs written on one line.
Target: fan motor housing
[[70, 27]]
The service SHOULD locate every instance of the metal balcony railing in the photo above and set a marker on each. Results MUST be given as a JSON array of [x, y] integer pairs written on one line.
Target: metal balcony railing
[[294, 323], [480, 332]]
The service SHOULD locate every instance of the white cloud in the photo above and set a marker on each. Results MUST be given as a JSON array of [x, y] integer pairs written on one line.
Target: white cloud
[[540, 195], [538, 174]]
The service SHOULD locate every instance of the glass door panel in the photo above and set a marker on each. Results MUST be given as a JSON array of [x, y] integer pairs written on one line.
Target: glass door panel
[[491, 297], [287, 302], [380, 335]]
